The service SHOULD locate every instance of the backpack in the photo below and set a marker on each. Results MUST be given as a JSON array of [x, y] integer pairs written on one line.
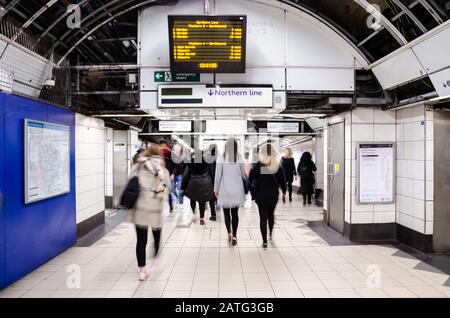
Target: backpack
[[305, 172]]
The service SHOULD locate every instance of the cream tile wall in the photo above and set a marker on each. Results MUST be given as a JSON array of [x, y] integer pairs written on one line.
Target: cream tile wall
[[371, 125], [109, 142], [415, 139], [90, 166]]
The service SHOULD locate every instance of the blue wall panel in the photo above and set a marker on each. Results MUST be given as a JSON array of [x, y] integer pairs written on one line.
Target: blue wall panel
[[37, 232], [2, 187]]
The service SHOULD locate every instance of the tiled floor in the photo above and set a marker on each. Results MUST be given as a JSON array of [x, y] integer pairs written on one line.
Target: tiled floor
[[196, 261]]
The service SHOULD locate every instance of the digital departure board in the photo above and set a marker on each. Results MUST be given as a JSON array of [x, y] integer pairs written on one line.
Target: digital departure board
[[207, 44]]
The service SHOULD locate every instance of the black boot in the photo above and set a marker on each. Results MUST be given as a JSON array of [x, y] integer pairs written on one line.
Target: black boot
[[157, 238]]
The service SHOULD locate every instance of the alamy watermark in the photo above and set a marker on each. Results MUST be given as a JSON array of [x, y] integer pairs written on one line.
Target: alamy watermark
[[74, 16], [374, 21]]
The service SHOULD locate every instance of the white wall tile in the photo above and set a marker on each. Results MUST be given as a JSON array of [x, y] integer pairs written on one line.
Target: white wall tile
[[384, 133], [362, 218], [356, 208], [363, 115], [405, 205], [429, 130], [419, 189], [362, 133], [419, 209], [429, 170], [381, 116], [400, 134], [405, 220], [384, 207], [419, 170], [414, 131], [384, 217], [418, 225], [405, 187], [429, 206], [399, 147], [429, 150], [429, 227], [429, 190]]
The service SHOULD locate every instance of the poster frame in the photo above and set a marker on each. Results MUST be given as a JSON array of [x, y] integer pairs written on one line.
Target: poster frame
[[25, 162], [358, 172]]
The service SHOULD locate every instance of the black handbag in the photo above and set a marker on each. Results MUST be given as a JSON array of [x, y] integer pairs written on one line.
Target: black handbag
[[131, 192]]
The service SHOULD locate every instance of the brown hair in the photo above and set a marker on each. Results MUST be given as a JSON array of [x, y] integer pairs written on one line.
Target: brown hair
[[153, 150]]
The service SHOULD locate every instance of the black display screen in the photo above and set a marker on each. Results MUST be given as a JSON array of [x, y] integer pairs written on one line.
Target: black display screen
[[207, 44]]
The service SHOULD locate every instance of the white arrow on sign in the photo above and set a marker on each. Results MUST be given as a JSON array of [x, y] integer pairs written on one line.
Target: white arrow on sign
[[159, 76]]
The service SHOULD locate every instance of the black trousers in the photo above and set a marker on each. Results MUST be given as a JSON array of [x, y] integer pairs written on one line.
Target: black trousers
[[307, 196], [231, 220], [212, 206], [202, 207], [289, 185], [141, 245], [267, 215]]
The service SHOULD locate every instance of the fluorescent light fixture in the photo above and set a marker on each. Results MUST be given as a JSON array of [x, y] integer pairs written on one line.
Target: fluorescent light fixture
[[440, 99]]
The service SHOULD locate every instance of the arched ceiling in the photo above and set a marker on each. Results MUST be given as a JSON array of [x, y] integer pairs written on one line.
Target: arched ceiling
[[108, 35], [109, 27]]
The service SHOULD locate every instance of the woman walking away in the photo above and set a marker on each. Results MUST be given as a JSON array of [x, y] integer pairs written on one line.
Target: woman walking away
[[289, 170], [198, 183], [306, 170], [266, 178], [229, 187], [211, 158], [154, 184]]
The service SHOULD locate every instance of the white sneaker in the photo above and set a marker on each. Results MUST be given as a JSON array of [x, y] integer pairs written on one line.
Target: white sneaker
[[143, 274]]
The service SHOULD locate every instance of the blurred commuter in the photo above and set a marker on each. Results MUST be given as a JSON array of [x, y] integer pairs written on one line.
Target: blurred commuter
[[198, 184], [137, 155], [211, 158], [289, 170], [229, 187], [248, 167], [154, 182], [306, 171], [176, 175], [266, 178]]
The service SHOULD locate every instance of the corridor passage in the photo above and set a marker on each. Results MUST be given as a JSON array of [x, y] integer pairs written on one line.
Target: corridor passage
[[305, 259]]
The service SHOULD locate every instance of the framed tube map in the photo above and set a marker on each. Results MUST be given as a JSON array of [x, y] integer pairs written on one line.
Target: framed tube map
[[376, 172], [47, 160]]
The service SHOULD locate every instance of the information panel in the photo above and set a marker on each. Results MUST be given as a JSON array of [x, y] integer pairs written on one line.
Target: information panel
[[376, 173], [207, 44], [286, 127], [175, 126], [47, 160]]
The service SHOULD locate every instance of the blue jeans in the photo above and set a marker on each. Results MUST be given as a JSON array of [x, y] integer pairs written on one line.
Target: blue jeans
[[176, 191]]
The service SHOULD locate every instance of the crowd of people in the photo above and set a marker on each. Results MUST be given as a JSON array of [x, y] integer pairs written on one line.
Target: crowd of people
[[207, 178]]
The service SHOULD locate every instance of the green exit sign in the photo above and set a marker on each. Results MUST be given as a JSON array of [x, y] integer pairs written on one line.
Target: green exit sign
[[169, 77]]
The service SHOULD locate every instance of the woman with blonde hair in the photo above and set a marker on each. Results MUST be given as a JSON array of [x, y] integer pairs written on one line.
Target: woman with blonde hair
[[229, 187], [266, 180], [154, 185], [289, 170]]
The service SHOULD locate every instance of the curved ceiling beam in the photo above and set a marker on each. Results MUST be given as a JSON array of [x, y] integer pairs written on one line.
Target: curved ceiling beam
[[33, 18], [65, 14], [8, 8], [411, 15], [147, 2], [347, 37], [432, 11], [384, 21], [83, 21]]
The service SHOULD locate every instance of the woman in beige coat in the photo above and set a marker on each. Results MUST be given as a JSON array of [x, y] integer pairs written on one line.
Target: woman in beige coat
[[154, 182]]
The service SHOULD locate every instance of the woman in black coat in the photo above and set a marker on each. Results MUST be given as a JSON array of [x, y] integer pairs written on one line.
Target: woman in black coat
[[266, 179], [289, 170], [306, 170], [198, 183]]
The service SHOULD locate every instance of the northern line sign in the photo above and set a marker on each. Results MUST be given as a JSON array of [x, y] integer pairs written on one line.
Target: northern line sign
[[169, 77], [198, 96]]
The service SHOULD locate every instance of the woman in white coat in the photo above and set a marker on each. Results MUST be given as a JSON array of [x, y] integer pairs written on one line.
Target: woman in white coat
[[154, 181], [229, 187]]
